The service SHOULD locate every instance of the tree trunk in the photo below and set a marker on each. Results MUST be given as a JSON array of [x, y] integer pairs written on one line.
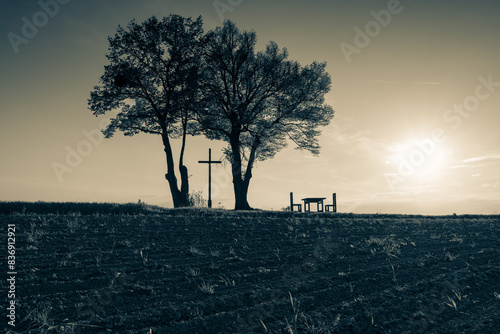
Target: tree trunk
[[170, 176], [240, 195], [184, 185], [240, 185], [174, 190], [183, 169]]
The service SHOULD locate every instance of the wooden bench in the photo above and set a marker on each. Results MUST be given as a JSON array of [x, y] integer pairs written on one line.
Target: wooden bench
[[333, 205], [299, 206]]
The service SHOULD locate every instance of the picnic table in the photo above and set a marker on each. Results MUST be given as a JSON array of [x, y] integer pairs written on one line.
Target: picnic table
[[317, 200]]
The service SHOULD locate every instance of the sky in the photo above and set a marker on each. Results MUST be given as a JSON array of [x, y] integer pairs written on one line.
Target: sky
[[415, 89]]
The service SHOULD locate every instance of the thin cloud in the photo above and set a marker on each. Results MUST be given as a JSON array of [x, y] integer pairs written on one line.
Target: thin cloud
[[431, 83], [482, 158], [395, 82], [491, 185], [472, 162], [359, 143]]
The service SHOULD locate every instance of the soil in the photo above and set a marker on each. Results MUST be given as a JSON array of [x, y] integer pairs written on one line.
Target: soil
[[256, 273]]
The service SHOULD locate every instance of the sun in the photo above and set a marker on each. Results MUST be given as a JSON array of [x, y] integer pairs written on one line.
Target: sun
[[419, 159]]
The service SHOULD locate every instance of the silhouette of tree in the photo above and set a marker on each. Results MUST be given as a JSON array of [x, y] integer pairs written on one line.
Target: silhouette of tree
[[152, 79], [256, 101]]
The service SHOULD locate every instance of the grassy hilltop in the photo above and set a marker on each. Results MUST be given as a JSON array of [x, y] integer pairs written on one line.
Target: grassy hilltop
[[106, 268]]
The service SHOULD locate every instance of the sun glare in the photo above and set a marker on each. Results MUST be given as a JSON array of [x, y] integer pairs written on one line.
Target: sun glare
[[420, 159]]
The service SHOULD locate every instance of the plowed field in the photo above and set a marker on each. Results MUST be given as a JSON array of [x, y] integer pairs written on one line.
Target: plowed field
[[198, 271]]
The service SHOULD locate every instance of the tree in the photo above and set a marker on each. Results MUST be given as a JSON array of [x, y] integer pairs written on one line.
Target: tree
[[256, 101], [152, 79]]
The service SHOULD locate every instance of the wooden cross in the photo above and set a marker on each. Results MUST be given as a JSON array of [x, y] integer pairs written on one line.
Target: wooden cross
[[209, 162]]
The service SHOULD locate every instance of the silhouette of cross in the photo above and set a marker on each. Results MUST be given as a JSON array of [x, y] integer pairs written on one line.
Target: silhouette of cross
[[209, 162]]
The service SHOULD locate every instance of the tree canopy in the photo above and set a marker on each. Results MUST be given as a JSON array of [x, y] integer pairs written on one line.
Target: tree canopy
[[257, 101], [168, 78], [152, 79]]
